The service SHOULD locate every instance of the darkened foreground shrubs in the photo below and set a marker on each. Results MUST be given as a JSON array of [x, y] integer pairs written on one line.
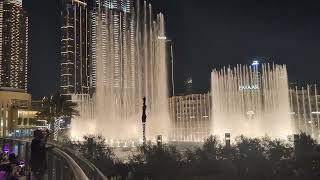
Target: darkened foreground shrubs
[[156, 162], [246, 158], [94, 149]]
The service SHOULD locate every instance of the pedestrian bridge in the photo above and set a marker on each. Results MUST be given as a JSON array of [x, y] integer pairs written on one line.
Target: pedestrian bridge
[[63, 163]]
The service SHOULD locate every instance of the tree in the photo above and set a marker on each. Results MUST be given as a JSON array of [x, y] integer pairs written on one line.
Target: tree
[[156, 162], [95, 149], [55, 107], [208, 157], [250, 157], [307, 156], [279, 155], [205, 161]]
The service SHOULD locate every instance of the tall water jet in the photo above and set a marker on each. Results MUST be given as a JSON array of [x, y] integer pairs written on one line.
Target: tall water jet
[[247, 101], [305, 110], [130, 64], [84, 124]]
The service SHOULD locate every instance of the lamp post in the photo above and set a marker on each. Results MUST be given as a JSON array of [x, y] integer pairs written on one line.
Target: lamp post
[[228, 139], [159, 140], [144, 120]]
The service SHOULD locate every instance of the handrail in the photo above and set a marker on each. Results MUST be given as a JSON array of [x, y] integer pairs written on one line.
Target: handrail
[[75, 168], [74, 157], [77, 171], [82, 159], [89, 164]]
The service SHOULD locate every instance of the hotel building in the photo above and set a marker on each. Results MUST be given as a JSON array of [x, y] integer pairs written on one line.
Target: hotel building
[[190, 116]]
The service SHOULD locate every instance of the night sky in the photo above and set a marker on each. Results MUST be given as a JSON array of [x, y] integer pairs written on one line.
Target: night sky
[[207, 34]]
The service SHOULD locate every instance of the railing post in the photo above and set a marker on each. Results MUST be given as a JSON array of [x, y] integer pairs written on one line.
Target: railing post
[[66, 173], [11, 146], [18, 144], [59, 169], [2, 143], [27, 155], [50, 165], [54, 167]]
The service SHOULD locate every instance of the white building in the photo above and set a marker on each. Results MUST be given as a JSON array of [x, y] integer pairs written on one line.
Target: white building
[[190, 117]]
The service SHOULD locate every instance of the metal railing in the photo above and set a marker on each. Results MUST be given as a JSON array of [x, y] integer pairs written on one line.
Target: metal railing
[[63, 163], [90, 170]]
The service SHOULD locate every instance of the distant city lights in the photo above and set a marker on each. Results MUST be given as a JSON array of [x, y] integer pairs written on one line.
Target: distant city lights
[[189, 81]]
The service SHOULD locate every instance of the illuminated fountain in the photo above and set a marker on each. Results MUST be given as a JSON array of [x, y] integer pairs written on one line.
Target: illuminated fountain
[[305, 110], [252, 102], [130, 46]]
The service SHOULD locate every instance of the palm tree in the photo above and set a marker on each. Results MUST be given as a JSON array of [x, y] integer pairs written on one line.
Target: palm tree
[[55, 107]]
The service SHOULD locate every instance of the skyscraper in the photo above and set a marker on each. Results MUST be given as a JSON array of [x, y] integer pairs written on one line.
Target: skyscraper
[[79, 42], [13, 45], [75, 50]]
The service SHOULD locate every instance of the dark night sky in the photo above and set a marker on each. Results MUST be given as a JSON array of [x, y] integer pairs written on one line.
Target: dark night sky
[[206, 34]]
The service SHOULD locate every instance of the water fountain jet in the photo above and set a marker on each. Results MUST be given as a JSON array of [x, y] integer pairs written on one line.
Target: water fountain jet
[[246, 101], [130, 64]]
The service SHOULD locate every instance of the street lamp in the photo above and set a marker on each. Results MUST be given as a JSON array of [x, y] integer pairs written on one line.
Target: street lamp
[[228, 139]]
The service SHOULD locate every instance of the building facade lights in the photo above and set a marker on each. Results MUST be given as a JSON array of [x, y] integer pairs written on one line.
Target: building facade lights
[[75, 50], [13, 45], [190, 116]]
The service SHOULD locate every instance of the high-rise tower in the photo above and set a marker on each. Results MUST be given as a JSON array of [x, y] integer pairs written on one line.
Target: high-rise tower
[[13, 45], [75, 50]]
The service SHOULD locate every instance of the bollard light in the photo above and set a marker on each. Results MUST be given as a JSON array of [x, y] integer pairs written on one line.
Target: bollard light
[[228, 139]]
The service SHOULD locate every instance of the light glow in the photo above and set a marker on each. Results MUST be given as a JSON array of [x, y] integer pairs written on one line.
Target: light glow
[[162, 37], [251, 113], [255, 63], [249, 87]]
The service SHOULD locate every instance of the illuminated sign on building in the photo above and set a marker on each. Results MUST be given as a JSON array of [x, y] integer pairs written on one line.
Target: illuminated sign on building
[[162, 37], [249, 87]]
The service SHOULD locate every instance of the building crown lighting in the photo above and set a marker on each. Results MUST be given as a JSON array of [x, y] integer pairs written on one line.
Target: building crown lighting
[[255, 63]]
